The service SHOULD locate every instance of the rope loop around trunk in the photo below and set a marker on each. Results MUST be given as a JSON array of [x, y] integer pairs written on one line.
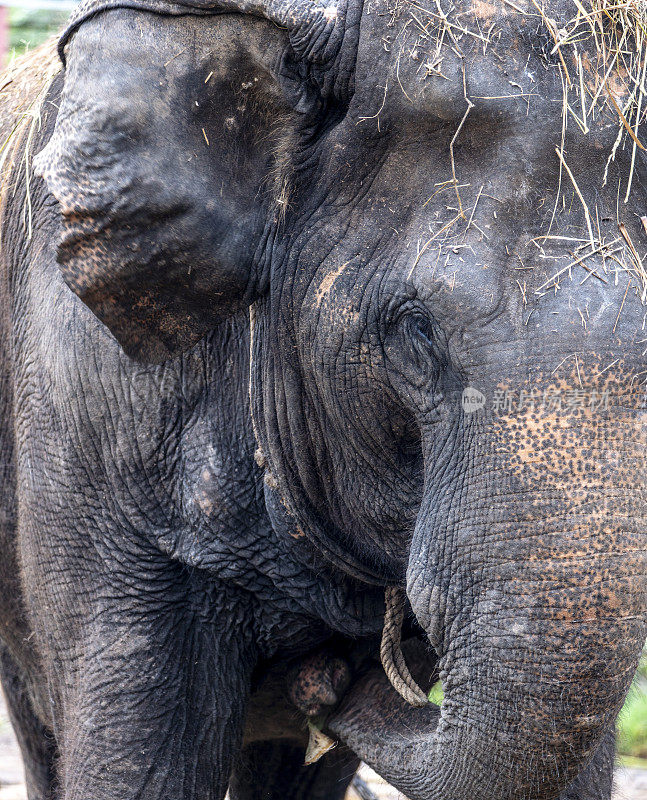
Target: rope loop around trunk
[[395, 666]]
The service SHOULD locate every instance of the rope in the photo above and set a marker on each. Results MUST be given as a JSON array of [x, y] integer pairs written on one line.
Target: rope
[[391, 655]]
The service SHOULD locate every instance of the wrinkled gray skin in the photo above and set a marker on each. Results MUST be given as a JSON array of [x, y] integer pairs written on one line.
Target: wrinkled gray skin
[[203, 172]]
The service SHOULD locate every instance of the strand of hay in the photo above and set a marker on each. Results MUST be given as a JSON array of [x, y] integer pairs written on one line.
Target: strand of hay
[[23, 86]]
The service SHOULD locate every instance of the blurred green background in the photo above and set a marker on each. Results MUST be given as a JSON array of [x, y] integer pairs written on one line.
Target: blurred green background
[[29, 27], [632, 724]]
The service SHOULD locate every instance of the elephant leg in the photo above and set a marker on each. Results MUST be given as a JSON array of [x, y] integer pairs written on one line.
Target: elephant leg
[[274, 770], [36, 741], [150, 693], [595, 782]]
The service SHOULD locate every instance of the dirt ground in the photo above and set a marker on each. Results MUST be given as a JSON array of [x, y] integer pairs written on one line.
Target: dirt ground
[[631, 783], [11, 774]]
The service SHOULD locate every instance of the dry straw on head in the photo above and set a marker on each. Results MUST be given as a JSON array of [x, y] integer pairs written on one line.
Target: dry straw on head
[[618, 31], [599, 48]]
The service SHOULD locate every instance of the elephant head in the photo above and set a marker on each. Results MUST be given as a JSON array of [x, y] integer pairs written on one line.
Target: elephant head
[[425, 213]]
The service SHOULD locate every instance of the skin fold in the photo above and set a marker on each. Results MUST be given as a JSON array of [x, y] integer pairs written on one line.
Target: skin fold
[[297, 254]]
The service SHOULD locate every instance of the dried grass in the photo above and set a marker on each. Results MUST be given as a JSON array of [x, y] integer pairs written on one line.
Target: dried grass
[[23, 85], [601, 54], [618, 33]]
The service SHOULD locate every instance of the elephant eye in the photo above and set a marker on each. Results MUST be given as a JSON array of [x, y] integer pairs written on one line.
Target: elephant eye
[[422, 329], [415, 341], [427, 343]]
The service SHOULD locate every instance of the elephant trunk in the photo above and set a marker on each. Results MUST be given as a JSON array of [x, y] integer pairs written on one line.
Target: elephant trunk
[[501, 735], [535, 601]]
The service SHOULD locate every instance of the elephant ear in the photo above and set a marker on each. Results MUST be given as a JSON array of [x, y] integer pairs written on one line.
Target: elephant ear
[[171, 153]]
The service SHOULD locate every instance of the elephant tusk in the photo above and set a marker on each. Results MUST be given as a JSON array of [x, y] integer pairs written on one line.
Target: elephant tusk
[[318, 744], [395, 666]]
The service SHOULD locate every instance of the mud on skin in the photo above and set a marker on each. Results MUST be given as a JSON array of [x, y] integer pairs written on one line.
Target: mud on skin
[[291, 249]]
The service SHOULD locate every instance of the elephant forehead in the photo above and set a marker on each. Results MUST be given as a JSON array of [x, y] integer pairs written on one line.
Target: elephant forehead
[[426, 56]]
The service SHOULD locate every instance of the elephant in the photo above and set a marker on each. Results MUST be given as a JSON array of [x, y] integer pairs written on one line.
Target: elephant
[[322, 380]]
